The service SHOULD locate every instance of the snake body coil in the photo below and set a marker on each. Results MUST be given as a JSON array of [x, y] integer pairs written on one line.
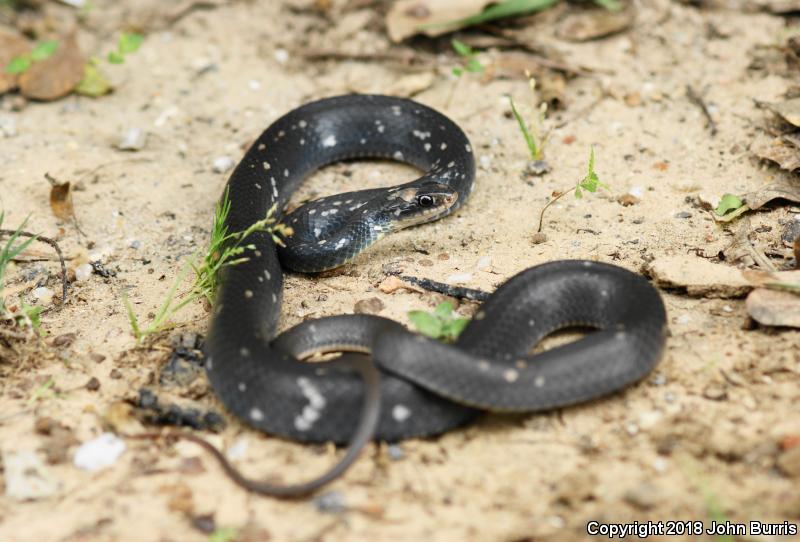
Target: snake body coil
[[425, 387]]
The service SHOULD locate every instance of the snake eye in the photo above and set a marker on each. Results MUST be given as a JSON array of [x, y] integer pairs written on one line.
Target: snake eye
[[425, 201]]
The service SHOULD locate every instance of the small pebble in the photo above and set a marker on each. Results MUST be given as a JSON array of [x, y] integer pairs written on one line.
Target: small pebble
[[638, 220], [538, 238], [254, 84], [372, 305], [659, 380], [485, 161], [222, 164], [99, 453], [281, 56], [133, 139], [536, 168], [93, 384], [483, 263], [683, 214], [332, 502], [644, 496], [396, 452], [134, 243], [43, 294], [83, 272]]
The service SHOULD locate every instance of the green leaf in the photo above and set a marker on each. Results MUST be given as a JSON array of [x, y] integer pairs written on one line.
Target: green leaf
[[18, 65], [529, 141], [115, 58], [426, 323], [94, 83], [474, 65], [129, 42], [454, 328], [461, 48], [509, 8], [610, 5], [444, 309], [578, 193], [728, 203], [223, 534], [44, 49], [457, 72]]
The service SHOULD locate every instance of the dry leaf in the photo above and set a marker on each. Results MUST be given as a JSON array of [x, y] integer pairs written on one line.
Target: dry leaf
[[411, 85], [762, 196], [702, 278], [61, 200], [594, 23], [788, 110], [774, 308], [55, 76], [407, 16], [11, 45], [777, 150]]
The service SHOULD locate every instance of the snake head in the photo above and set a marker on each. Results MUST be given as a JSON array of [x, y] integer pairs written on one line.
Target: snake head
[[419, 204]]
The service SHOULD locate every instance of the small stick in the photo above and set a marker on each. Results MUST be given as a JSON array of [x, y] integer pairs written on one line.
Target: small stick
[[55, 246], [697, 100], [458, 292]]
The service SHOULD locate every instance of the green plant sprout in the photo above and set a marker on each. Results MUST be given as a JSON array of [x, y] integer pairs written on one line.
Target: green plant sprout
[[441, 324], [94, 83], [44, 391], [534, 139], [10, 250], [20, 64], [591, 183], [224, 249], [469, 61], [129, 42], [728, 203]]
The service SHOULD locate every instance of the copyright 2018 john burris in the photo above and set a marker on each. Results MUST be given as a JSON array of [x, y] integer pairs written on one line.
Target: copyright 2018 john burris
[[643, 529]]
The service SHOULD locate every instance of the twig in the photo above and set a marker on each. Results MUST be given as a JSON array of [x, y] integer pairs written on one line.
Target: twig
[[55, 246], [458, 292], [697, 100]]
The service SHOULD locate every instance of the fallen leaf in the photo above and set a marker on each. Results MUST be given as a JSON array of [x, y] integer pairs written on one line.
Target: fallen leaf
[[702, 278], [595, 23], [61, 200], [774, 308], [781, 190], [407, 17], [411, 85], [12, 45], [788, 110], [55, 76]]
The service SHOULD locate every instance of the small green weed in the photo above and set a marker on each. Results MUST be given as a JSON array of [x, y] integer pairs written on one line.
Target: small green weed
[[728, 203], [591, 183], [129, 42], [20, 64], [10, 250], [468, 56], [224, 249], [441, 324]]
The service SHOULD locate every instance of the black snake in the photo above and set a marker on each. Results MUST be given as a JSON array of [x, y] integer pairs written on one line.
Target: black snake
[[422, 387]]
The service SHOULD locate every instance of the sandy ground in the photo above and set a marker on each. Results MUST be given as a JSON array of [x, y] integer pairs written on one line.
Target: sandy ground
[[703, 438]]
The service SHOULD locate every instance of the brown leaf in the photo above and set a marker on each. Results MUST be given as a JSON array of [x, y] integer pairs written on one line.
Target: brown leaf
[[61, 200], [11, 45], [762, 196], [774, 308], [788, 110], [594, 23], [406, 17], [55, 76], [777, 150]]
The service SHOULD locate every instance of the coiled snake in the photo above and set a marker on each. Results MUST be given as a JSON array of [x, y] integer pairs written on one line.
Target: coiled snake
[[410, 385]]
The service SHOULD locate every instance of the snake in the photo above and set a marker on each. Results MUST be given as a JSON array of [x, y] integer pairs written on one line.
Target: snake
[[389, 383]]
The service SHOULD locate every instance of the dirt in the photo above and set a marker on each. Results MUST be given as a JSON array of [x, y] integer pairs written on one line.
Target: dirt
[[711, 434]]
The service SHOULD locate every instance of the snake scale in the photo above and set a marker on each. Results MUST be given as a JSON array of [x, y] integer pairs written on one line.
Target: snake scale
[[394, 384]]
